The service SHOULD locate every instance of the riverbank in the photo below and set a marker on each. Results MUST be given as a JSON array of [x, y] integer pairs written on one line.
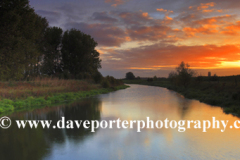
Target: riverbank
[[22, 95], [224, 94]]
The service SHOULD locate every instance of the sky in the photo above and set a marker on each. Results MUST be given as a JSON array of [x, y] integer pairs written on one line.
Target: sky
[[151, 37]]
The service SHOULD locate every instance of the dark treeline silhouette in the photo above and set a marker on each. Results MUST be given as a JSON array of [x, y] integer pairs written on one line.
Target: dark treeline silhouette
[[30, 48]]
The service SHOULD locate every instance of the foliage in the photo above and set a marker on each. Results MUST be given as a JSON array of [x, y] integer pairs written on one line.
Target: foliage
[[21, 37], [183, 75], [78, 53], [97, 77], [105, 83], [52, 55], [130, 75], [214, 78]]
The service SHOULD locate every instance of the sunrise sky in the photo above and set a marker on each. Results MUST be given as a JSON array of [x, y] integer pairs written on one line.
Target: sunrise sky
[[151, 37]]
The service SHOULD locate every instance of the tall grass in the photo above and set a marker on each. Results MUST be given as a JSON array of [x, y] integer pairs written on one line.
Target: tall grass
[[20, 95], [42, 87]]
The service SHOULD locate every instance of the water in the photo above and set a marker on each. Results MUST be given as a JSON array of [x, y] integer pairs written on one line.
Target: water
[[134, 103]]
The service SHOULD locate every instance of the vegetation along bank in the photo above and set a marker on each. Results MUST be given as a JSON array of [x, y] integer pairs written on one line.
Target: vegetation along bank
[[24, 95], [213, 90]]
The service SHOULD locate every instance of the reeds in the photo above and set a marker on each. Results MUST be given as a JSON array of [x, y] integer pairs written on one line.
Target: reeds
[[42, 87]]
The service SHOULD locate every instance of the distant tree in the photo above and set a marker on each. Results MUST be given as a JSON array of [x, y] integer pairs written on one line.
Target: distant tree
[[183, 75], [78, 53], [155, 78], [130, 75], [21, 37], [52, 60]]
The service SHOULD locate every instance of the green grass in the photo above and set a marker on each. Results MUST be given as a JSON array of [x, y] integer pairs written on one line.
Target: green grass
[[7, 105]]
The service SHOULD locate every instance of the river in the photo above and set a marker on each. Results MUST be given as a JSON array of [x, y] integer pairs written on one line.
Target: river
[[134, 103]]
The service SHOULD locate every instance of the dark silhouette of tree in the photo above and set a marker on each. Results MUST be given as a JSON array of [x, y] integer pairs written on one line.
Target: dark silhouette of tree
[[21, 37], [78, 53], [183, 75], [130, 75], [52, 60], [155, 78]]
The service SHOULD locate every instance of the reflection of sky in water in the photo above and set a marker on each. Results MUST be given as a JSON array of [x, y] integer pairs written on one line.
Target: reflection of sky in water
[[139, 102], [136, 103]]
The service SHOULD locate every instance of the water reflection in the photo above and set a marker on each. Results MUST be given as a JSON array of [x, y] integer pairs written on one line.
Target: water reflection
[[38, 143], [135, 103]]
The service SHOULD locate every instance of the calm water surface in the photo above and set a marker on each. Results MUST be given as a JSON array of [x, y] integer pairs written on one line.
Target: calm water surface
[[134, 103]]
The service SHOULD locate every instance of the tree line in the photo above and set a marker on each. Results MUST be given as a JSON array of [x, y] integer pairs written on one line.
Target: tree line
[[29, 47]]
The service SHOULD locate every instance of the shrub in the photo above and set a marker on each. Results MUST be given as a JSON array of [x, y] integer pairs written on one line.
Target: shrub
[[130, 75], [105, 83], [97, 77]]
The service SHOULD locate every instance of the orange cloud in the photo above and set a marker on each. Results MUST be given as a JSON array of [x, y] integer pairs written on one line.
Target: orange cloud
[[161, 10], [128, 38], [145, 14], [164, 10], [168, 18], [115, 3], [232, 29], [205, 5], [207, 25], [205, 8], [212, 10], [206, 29]]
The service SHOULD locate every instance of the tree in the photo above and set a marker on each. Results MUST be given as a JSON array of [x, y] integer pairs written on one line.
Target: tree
[[155, 78], [78, 53], [183, 74], [21, 35], [130, 75], [52, 60]]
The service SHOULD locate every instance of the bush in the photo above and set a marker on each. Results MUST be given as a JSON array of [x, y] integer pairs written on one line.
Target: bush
[[105, 83], [66, 74], [111, 80], [97, 77], [130, 75], [149, 79]]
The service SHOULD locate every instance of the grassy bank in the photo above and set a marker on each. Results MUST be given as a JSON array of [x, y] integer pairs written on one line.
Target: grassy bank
[[22, 95], [223, 93]]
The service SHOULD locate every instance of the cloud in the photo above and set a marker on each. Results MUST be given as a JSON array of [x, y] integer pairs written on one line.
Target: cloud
[[51, 16], [147, 32], [207, 25], [206, 8], [104, 34], [161, 10], [164, 10], [167, 57], [134, 18], [115, 3], [103, 17], [232, 29]]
